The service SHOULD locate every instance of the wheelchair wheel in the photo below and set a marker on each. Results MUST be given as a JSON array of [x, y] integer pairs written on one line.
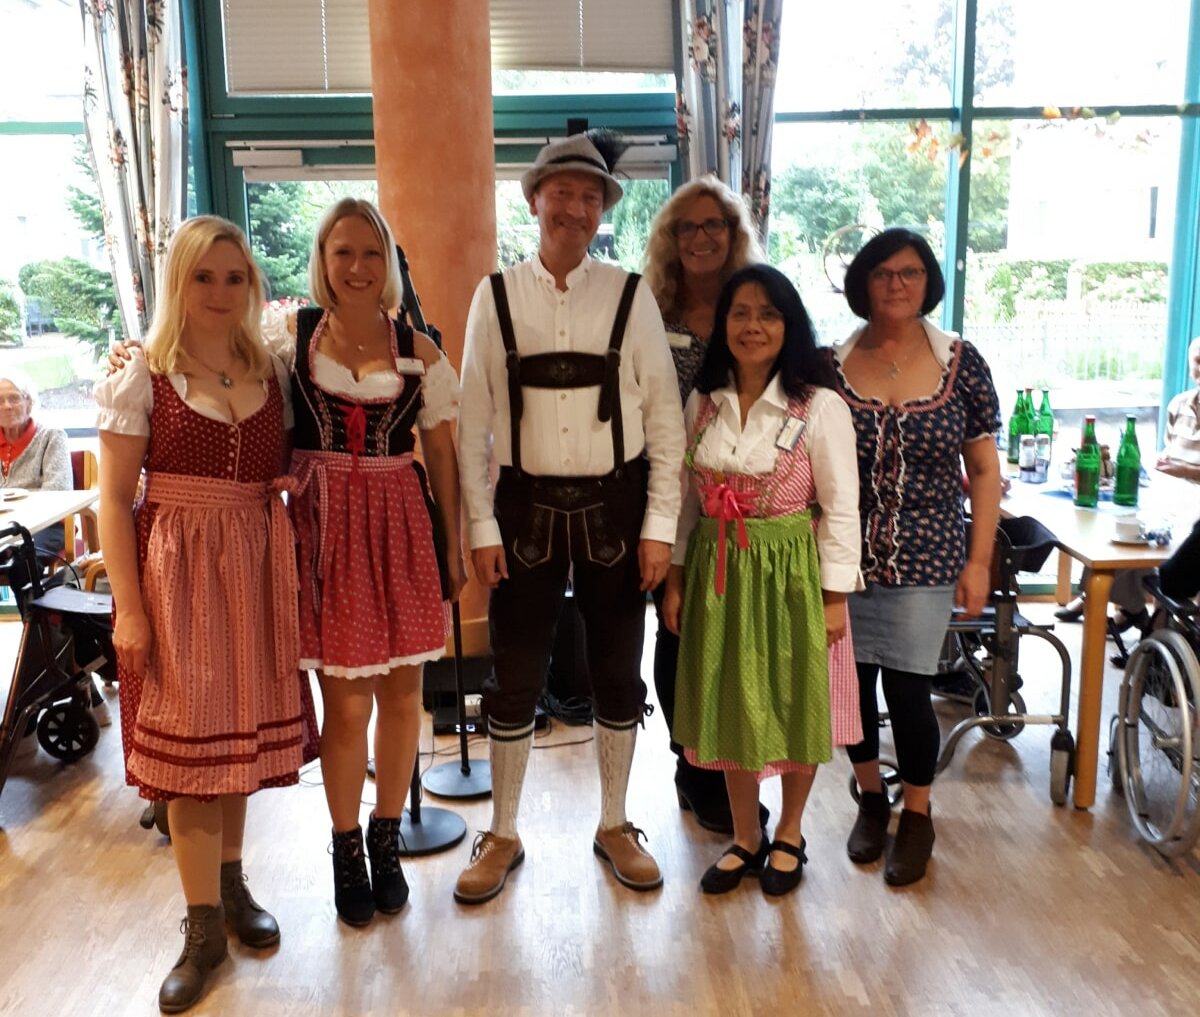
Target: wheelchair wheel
[[1156, 742], [1001, 732], [68, 731], [1062, 765], [891, 782], [1114, 763]]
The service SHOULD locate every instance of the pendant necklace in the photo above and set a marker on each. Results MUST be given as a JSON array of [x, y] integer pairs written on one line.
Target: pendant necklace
[[226, 380], [893, 366]]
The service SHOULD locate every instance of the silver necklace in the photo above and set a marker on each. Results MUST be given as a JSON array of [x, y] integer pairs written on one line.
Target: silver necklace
[[894, 367], [226, 380]]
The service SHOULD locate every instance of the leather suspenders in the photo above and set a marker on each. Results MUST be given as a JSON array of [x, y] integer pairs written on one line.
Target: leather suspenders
[[566, 370]]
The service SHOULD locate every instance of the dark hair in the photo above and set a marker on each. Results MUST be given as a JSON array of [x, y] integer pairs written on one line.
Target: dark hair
[[800, 364], [876, 251]]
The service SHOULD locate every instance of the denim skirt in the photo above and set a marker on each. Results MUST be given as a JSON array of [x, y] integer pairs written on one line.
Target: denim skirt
[[901, 627]]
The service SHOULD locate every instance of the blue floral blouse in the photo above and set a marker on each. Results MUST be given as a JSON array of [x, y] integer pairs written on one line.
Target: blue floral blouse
[[910, 468], [687, 350]]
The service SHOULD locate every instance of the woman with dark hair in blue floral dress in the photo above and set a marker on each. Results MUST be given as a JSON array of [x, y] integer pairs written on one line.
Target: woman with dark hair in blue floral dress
[[924, 408]]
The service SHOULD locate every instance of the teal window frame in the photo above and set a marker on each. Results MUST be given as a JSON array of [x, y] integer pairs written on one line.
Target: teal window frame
[[1183, 316], [218, 118]]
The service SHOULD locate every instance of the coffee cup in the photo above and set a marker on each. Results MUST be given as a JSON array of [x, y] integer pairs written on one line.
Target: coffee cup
[[1129, 528]]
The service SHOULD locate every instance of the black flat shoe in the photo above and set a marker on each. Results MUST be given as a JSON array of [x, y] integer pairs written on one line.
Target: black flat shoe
[[713, 813], [1123, 622], [776, 882], [1072, 612], [718, 880]]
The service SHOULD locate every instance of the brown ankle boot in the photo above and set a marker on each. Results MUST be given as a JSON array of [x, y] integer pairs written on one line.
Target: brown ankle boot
[[204, 947], [255, 926]]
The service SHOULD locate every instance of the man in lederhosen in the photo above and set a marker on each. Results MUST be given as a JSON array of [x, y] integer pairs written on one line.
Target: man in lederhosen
[[568, 382]]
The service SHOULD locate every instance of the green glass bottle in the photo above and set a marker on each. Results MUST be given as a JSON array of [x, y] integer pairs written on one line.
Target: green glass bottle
[[1014, 429], [1044, 423], [1087, 466], [1129, 466]]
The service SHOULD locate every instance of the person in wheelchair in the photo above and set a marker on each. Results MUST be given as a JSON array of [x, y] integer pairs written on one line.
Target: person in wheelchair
[[33, 457], [1179, 575]]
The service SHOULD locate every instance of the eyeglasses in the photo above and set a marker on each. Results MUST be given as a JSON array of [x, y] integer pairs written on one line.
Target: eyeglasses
[[685, 230], [907, 276], [12, 400]]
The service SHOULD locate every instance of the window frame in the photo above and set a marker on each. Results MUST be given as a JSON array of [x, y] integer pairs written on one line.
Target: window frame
[[1183, 316]]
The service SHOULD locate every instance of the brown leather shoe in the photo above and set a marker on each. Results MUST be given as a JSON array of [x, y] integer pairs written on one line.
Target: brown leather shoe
[[631, 863], [492, 859]]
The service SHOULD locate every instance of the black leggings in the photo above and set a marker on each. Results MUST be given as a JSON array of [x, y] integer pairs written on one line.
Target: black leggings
[[915, 728]]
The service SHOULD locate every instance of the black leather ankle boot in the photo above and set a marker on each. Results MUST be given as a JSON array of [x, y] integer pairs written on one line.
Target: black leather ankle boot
[[351, 888], [867, 836], [387, 877], [911, 850]]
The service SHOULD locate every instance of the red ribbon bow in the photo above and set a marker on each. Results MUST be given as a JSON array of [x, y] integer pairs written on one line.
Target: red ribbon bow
[[723, 503], [356, 432]]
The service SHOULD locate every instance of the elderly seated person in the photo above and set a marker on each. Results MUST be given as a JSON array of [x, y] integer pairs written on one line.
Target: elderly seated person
[[32, 457]]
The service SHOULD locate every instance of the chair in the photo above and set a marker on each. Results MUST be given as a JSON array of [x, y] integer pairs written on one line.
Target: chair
[[85, 474]]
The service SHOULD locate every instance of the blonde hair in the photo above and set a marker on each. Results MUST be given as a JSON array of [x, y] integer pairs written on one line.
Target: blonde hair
[[192, 241], [663, 271], [319, 285]]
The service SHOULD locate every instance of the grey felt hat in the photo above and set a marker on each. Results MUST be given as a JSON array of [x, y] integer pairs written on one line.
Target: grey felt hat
[[578, 153]]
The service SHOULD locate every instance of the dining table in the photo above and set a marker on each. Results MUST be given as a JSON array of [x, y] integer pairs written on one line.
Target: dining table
[[1089, 536], [37, 510]]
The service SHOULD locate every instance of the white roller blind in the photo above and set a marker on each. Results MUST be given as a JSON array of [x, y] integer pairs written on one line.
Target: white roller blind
[[594, 35], [288, 47]]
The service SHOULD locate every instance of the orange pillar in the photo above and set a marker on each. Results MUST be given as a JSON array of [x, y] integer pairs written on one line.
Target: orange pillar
[[431, 80]]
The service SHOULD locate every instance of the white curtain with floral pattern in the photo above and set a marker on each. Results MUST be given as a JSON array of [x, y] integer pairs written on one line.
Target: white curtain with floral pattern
[[135, 114], [729, 55]]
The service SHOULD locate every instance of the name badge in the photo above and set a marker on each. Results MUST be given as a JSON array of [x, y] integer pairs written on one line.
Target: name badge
[[410, 365], [789, 434], [679, 340]]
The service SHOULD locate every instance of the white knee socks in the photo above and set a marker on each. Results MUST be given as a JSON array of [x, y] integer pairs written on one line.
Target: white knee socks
[[614, 754], [509, 750]]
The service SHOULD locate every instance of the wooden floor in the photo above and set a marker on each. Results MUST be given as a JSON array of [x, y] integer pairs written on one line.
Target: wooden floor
[[1028, 909]]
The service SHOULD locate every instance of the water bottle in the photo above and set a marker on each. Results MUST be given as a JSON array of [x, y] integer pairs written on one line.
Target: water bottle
[[1044, 422], [1087, 466], [1129, 466], [1014, 429]]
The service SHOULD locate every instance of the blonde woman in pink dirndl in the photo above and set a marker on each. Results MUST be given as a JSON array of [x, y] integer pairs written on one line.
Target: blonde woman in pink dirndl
[[204, 582]]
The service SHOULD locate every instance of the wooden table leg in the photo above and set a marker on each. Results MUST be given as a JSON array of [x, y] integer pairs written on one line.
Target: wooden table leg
[[1062, 592], [1091, 686]]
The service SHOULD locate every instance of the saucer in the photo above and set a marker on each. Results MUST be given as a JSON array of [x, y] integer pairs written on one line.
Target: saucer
[[12, 493], [1132, 542]]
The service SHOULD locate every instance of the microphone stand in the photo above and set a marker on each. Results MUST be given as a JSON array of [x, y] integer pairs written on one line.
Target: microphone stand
[[468, 778]]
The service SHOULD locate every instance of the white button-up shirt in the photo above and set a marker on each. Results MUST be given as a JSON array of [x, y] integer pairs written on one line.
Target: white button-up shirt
[[561, 434], [830, 444]]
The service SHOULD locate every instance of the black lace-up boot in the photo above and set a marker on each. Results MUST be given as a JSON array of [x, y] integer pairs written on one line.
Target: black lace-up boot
[[387, 878], [351, 887]]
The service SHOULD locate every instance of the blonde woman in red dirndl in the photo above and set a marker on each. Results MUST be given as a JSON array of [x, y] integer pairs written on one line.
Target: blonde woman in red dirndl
[[204, 582], [371, 600]]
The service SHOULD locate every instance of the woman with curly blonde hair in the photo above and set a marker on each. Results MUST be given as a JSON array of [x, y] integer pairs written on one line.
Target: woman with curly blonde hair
[[700, 237]]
